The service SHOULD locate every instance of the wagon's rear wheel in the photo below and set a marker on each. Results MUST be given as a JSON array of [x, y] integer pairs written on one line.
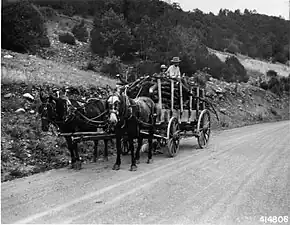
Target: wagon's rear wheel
[[173, 137], [203, 128]]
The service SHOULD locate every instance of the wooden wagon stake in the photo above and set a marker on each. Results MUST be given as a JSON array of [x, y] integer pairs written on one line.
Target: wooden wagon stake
[[172, 97], [159, 93], [197, 101], [181, 100], [160, 98], [190, 105]]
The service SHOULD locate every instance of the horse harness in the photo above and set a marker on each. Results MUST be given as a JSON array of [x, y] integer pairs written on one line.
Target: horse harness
[[134, 112], [70, 113]]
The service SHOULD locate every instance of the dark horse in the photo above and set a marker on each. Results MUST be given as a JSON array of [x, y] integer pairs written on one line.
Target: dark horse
[[128, 116], [68, 116]]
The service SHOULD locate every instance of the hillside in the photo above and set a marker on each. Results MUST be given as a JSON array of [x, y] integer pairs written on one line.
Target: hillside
[[151, 32], [27, 150], [156, 31], [248, 33], [255, 65]]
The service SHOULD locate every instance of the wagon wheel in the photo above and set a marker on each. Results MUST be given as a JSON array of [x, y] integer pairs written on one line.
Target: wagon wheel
[[203, 128], [173, 137]]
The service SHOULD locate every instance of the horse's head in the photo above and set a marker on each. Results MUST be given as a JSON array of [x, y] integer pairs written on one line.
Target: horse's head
[[51, 110], [114, 103]]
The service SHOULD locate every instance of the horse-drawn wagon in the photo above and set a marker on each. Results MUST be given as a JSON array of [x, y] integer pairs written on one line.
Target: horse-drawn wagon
[[171, 109], [181, 111]]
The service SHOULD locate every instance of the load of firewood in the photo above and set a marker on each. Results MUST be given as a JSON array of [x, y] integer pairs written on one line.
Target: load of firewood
[[147, 86]]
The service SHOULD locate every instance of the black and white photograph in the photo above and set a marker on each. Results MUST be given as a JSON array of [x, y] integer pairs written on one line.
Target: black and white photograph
[[145, 112]]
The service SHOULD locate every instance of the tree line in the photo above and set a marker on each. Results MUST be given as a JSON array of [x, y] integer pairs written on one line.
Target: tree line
[[155, 31], [152, 21]]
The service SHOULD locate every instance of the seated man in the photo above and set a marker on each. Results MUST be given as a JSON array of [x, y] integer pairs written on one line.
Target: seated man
[[173, 71], [163, 69]]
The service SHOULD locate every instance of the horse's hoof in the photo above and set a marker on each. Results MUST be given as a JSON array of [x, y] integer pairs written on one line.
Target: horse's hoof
[[78, 165], [137, 161], [106, 159], [116, 167], [149, 161], [71, 166], [133, 168]]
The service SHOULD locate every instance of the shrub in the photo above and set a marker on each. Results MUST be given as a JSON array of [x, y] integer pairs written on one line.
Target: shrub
[[285, 81], [91, 65], [275, 86], [111, 34], [80, 31], [272, 73], [280, 57], [232, 48], [234, 71], [22, 27], [264, 85], [43, 41], [67, 38], [111, 66], [97, 43], [273, 111], [215, 66], [147, 68], [48, 12]]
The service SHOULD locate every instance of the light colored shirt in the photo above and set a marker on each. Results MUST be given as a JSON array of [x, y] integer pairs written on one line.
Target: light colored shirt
[[173, 71]]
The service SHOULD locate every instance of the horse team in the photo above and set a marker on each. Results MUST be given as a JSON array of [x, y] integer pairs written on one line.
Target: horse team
[[120, 114]]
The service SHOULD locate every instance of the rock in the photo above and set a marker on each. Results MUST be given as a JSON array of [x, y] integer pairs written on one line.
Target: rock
[[20, 110], [223, 110], [219, 90], [8, 95], [8, 56], [28, 96]]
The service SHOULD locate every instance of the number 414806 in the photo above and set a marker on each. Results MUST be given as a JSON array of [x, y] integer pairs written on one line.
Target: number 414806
[[274, 219]]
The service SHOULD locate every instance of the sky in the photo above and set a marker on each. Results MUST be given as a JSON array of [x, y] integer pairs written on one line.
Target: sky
[[268, 7]]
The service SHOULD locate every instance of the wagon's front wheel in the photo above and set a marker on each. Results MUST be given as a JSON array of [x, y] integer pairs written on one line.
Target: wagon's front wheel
[[173, 137], [203, 128]]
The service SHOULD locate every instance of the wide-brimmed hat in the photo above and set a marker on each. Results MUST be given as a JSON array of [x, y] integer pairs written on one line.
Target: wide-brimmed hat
[[163, 67], [175, 60]]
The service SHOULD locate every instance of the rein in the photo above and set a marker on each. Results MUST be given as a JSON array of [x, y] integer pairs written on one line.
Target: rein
[[93, 120], [70, 114]]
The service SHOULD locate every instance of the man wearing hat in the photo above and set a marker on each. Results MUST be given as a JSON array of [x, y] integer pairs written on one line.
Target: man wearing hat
[[173, 71]]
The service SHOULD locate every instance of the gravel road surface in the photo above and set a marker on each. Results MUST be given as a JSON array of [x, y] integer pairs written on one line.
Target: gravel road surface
[[243, 175]]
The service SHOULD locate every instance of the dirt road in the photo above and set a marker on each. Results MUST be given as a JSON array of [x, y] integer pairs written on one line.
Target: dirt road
[[243, 175]]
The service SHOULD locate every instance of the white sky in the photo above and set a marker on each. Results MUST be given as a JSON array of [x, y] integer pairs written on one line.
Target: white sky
[[268, 7]]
